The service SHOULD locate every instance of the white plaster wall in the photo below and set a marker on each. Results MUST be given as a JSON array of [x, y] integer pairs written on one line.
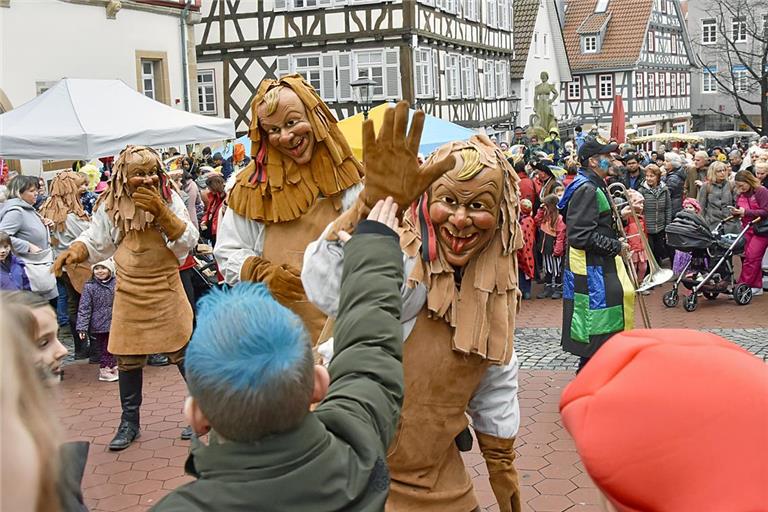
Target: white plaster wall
[[534, 65], [46, 40]]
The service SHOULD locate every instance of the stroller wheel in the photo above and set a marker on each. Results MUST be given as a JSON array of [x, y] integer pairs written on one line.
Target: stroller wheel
[[742, 294], [711, 295], [670, 298], [690, 302]]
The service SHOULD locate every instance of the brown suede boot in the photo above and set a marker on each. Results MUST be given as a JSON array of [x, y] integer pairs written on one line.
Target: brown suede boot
[[499, 455]]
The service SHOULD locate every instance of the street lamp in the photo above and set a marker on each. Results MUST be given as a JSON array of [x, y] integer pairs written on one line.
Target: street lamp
[[362, 87], [596, 108], [514, 102]]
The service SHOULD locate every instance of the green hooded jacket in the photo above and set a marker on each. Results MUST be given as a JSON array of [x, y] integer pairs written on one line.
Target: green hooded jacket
[[336, 459]]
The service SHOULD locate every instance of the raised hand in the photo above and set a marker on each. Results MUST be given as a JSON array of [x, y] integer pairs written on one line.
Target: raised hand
[[391, 159]]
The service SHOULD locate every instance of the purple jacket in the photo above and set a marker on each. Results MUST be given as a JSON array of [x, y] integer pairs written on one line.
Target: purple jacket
[[12, 274], [95, 312]]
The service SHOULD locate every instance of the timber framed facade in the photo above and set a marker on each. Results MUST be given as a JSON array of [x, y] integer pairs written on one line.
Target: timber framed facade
[[451, 58], [651, 70]]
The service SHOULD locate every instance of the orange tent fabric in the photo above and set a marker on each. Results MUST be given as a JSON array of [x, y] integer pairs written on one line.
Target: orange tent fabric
[[618, 121], [672, 420]]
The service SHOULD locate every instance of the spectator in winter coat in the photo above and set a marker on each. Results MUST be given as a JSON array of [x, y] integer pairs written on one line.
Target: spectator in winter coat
[[752, 202], [525, 259], [697, 174], [13, 276], [717, 197], [633, 175], [527, 189], [94, 316], [676, 180], [657, 211], [551, 246]]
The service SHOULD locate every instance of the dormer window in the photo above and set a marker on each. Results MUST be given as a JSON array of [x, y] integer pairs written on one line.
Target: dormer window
[[589, 44]]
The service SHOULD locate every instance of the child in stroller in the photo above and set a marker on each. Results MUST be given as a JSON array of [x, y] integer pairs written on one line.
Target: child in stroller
[[709, 271]]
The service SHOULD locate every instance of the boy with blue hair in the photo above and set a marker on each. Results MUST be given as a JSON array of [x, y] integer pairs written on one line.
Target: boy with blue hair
[[252, 378]]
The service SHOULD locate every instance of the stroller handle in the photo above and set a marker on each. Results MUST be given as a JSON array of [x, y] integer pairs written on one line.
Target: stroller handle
[[755, 221]]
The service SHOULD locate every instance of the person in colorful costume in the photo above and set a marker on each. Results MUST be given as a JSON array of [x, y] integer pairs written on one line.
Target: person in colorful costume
[[144, 224], [460, 241], [598, 296], [65, 209], [302, 176]]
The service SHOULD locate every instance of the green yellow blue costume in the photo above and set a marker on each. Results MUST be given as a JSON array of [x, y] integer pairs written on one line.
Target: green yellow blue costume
[[598, 296]]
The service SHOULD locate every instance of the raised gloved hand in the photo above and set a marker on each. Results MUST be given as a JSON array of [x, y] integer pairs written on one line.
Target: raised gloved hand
[[499, 455], [77, 253], [150, 201], [284, 281], [348, 221], [391, 159]]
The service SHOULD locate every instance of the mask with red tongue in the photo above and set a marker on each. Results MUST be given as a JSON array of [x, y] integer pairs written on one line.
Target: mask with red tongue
[[464, 206]]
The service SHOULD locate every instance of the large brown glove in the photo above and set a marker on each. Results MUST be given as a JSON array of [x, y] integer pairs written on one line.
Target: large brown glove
[[391, 159], [77, 253], [499, 455], [150, 201], [284, 281]]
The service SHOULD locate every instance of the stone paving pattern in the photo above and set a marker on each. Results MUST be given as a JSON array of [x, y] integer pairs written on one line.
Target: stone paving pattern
[[552, 478]]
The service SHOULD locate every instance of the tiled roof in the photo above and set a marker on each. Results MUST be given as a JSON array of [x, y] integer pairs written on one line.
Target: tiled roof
[[525, 12], [624, 35], [594, 23]]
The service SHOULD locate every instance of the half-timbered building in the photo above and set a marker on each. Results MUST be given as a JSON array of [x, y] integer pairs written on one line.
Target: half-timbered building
[[450, 57], [637, 49]]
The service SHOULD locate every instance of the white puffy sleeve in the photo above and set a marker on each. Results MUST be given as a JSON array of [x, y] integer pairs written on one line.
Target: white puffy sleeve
[[494, 408], [101, 237], [238, 239]]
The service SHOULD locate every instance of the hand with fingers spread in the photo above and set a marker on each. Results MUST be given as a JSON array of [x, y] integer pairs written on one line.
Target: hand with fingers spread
[[384, 211], [391, 159]]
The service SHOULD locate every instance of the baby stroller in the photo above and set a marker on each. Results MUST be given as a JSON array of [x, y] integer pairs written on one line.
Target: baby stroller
[[710, 270]]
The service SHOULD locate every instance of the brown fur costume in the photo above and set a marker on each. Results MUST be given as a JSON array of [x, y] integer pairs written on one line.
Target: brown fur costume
[[64, 199], [273, 188], [480, 313]]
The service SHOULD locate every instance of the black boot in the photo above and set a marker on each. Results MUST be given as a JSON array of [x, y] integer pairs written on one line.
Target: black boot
[[94, 351], [186, 433], [546, 292], [130, 384], [81, 346]]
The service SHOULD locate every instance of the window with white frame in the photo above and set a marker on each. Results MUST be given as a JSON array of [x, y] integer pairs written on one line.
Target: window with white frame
[[206, 91], [605, 86], [468, 76], [450, 6], [673, 90], [651, 41], [310, 4], [424, 69], [492, 13], [639, 84], [489, 78], [574, 88], [673, 48], [740, 79], [662, 84], [452, 76], [708, 82], [535, 43], [589, 44], [680, 127], [601, 6], [504, 14], [308, 66], [739, 30], [708, 31], [471, 10], [148, 80], [651, 80], [528, 93], [502, 79], [545, 45], [370, 64]]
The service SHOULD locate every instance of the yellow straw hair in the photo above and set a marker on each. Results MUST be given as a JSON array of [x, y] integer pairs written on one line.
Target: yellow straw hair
[[271, 99], [472, 164]]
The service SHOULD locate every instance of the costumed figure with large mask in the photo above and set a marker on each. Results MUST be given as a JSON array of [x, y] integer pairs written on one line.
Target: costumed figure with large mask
[[64, 208], [301, 177], [143, 223], [598, 296], [460, 300]]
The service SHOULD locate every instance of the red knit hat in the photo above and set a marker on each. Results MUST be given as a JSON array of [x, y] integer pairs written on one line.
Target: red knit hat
[[672, 420]]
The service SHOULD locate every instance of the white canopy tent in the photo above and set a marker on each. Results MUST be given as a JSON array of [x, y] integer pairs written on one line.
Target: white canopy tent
[[84, 118]]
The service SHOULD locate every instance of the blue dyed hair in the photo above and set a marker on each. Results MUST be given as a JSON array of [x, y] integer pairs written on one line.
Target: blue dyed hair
[[249, 364]]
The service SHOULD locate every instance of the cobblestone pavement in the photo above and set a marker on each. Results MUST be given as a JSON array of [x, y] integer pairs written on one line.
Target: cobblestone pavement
[[539, 347]]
